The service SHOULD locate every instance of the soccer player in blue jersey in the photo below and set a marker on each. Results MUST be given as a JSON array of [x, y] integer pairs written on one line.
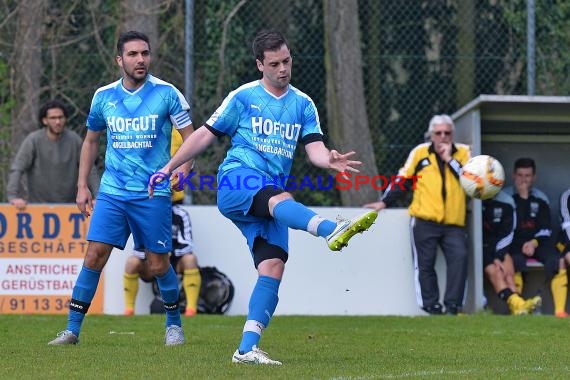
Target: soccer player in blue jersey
[[138, 113], [265, 120]]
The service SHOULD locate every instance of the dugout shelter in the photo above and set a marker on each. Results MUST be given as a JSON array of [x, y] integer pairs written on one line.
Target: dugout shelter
[[509, 127]]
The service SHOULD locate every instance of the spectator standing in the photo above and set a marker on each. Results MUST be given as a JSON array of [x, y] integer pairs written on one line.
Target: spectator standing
[[438, 211], [48, 161]]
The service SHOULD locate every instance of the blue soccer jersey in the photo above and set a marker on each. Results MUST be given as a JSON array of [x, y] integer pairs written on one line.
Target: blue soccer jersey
[[139, 126], [265, 129]]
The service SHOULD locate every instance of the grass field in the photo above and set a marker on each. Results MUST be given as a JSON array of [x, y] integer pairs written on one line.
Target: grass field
[[471, 347]]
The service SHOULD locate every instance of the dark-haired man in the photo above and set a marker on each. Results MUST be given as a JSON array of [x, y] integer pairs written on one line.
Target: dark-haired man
[[533, 233], [138, 113], [48, 160], [265, 120]]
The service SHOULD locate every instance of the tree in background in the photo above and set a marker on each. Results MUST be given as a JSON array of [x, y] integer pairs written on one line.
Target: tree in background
[[417, 58], [346, 104]]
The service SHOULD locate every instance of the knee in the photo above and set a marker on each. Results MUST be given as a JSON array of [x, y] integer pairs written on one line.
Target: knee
[[97, 256], [159, 268], [276, 199], [188, 261], [272, 268], [133, 265]]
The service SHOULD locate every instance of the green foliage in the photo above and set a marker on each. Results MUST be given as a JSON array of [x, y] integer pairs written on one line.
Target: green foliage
[[474, 347], [410, 58]]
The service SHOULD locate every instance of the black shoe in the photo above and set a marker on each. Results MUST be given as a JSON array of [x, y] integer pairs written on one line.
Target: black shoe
[[436, 309], [451, 310]]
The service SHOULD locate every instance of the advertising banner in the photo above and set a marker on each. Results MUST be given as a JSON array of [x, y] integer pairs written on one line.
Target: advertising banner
[[41, 254]]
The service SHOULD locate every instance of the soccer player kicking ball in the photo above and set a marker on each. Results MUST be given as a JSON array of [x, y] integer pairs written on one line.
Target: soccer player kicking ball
[[265, 120]]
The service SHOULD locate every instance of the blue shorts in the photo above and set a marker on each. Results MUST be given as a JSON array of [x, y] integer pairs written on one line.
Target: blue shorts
[[149, 220], [235, 198]]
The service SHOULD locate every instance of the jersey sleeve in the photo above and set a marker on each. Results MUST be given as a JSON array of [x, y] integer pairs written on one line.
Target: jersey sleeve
[[225, 120], [179, 110], [505, 232], [311, 125], [565, 217], [95, 119], [544, 230]]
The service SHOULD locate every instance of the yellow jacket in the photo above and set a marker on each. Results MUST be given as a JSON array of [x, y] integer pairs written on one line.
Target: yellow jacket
[[437, 198], [175, 143]]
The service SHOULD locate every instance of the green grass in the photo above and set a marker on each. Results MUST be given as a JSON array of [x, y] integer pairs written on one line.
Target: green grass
[[473, 347]]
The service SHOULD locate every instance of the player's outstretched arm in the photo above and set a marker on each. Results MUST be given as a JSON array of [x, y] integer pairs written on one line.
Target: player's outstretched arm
[[322, 157], [195, 144], [89, 152]]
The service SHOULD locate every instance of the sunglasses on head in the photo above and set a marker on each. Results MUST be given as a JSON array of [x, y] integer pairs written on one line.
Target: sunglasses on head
[[442, 133]]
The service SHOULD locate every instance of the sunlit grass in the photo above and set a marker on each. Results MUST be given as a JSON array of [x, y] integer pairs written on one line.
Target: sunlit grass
[[475, 347]]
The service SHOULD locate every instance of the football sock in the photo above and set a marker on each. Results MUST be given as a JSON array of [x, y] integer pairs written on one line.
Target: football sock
[[519, 281], [168, 286], [559, 288], [505, 294], [262, 305], [81, 297], [131, 288], [299, 217], [191, 281]]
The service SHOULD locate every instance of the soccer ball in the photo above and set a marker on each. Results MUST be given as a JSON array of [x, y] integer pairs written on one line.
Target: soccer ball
[[482, 177]]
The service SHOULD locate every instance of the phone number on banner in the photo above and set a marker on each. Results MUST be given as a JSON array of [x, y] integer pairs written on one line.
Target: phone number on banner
[[34, 304]]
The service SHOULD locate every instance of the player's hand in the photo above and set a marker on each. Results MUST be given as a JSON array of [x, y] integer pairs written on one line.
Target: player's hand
[[84, 201], [528, 248], [380, 205], [157, 180], [19, 203], [342, 163], [174, 179], [444, 151], [499, 264]]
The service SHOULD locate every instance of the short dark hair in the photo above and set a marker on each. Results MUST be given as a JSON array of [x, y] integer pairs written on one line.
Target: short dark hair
[[267, 40], [131, 35], [525, 162], [50, 105]]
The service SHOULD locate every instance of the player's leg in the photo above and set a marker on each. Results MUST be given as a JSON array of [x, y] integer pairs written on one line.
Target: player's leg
[[269, 260], [108, 228], [498, 279], [279, 204], [555, 274], [134, 267], [519, 261], [151, 223], [454, 247], [560, 282], [84, 291], [191, 282], [424, 238], [187, 262]]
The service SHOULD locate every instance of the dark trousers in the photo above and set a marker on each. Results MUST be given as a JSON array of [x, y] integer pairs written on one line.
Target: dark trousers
[[426, 237], [547, 254]]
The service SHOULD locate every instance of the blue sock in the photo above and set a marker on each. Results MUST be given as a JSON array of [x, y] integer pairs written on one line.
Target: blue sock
[[297, 216], [262, 304], [81, 297], [168, 286]]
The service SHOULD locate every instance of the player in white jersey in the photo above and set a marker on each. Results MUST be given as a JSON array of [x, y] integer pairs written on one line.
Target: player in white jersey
[[138, 112], [265, 120]]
